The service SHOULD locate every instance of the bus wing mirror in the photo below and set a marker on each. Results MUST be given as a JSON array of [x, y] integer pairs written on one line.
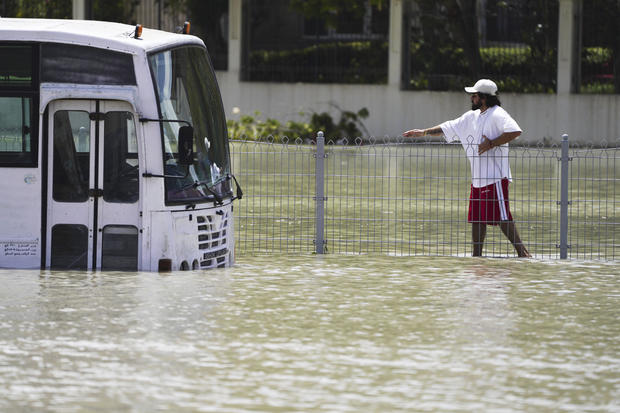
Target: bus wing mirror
[[186, 145]]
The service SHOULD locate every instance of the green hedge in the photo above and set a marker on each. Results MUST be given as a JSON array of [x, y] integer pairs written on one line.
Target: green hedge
[[339, 62], [597, 70], [350, 125], [515, 69]]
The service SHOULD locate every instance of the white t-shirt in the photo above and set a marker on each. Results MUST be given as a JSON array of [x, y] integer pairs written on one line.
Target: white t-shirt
[[493, 165]]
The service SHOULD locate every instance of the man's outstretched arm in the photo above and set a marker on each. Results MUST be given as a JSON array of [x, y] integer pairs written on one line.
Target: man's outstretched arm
[[416, 133]]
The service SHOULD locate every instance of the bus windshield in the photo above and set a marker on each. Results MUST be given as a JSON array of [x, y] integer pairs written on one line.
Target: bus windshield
[[187, 90]]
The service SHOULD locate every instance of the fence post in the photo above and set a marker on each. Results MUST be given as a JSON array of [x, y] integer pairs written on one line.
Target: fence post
[[320, 193], [564, 199]]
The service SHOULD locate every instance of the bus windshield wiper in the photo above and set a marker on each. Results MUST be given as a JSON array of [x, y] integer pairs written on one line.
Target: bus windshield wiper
[[150, 175], [207, 185]]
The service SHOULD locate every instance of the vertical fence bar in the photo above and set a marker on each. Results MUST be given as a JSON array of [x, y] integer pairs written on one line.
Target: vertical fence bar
[[564, 199], [320, 193]]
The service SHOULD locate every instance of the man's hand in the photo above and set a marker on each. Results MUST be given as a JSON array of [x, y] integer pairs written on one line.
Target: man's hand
[[414, 133], [485, 145], [502, 139]]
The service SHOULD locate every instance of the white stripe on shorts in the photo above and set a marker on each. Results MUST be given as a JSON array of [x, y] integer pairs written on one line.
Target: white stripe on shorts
[[500, 199]]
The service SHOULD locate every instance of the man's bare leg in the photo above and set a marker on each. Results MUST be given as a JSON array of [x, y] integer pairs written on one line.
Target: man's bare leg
[[510, 230], [478, 232]]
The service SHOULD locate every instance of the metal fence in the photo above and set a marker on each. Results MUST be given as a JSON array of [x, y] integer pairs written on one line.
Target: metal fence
[[511, 42], [292, 41], [404, 198], [600, 60]]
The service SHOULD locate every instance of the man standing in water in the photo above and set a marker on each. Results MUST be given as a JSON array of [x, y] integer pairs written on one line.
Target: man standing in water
[[484, 132]]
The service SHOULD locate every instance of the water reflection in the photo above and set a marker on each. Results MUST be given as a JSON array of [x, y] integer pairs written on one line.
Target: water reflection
[[332, 333]]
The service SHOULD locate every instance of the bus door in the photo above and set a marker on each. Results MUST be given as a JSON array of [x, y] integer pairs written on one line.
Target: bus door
[[93, 212]]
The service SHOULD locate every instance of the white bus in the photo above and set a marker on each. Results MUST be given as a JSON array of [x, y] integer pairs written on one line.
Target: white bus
[[113, 149]]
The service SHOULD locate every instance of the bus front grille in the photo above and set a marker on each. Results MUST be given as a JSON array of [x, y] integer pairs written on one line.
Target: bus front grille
[[213, 236]]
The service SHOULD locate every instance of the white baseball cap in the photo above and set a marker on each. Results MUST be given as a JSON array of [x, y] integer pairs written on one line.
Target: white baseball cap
[[486, 86]]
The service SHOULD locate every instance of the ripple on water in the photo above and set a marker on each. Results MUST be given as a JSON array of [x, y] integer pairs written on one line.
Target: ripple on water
[[329, 333]]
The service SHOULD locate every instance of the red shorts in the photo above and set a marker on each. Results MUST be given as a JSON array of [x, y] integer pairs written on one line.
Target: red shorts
[[489, 204]]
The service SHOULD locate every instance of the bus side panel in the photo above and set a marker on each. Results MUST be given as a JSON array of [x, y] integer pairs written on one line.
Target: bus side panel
[[20, 226]]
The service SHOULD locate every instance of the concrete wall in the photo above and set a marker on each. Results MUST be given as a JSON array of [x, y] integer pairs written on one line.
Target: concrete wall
[[585, 118]]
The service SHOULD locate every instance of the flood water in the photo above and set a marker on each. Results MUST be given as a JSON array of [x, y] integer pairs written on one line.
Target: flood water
[[315, 334]]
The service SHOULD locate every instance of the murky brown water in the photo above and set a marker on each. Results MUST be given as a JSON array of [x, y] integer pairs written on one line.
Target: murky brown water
[[315, 334]]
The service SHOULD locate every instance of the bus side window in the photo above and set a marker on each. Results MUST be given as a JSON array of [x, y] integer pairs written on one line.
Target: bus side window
[[16, 146], [18, 97]]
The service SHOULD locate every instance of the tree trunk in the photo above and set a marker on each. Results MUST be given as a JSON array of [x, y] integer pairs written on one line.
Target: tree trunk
[[466, 22]]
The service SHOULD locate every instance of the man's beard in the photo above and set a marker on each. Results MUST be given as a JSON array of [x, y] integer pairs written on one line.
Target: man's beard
[[475, 106]]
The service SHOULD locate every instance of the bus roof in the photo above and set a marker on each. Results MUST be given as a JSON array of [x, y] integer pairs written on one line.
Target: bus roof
[[106, 35]]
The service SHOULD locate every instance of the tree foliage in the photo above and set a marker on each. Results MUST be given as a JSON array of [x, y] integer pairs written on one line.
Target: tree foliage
[[349, 126], [121, 11], [50, 9], [327, 10], [455, 23], [108, 10], [448, 42]]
